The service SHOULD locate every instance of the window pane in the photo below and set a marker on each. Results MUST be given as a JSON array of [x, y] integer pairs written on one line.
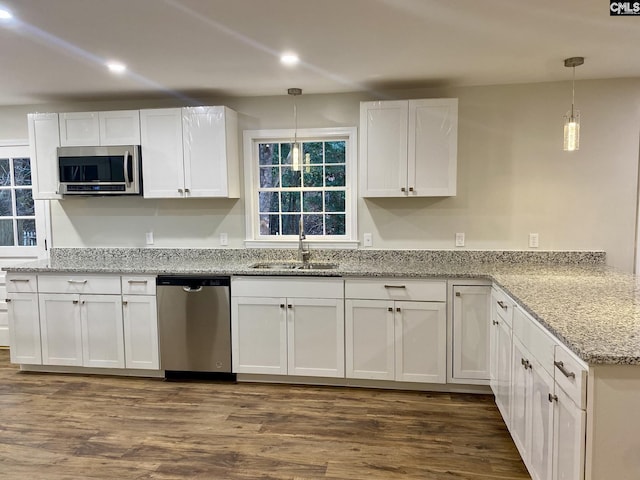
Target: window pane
[[290, 178], [269, 177], [313, 225], [314, 149], [290, 202], [312, 201], [268, 201], [24, 202], [5, 172], [268, 153], [290, 224], [26, 232], [335, 224], [334, 152], [5, 203], [6, 233], [335, 176], [269, 224], [312, 176], [335, 201], [22, 171], [285, 150]]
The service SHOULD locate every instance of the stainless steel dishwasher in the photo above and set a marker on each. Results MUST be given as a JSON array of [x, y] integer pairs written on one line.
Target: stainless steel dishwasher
[[194, 315]]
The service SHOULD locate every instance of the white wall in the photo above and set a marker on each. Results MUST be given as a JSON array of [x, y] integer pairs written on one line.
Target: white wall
[[513, 177]]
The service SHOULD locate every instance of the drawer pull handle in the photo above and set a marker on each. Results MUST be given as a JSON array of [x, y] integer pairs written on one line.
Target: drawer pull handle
[[390, 308], [398, 309], [289, 306], [564, 371], [25, 280], [125, 303], [7, 300], [495, 322], [80, 282], [75, 302], [502, 305], [553, 398], [138, 281], [403, 189], [411, 189], [282, 305], [395, 286]]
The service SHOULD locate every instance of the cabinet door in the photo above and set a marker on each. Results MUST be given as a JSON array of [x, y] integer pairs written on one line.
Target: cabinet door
[[315, 331], [503, 370], [471, 333], [162, 155], [520, 398], [207, 151], [140, 318], [102, 333], [383, 148], [44, 139], [259, 335], [120, 127], [370, 339], [541, 434], [61, 329], [24, 328], [569, 425], [432, 147], [421, 342], [79, 128]]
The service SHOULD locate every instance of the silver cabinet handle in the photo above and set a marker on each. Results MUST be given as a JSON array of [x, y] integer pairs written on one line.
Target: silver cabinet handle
[[138, 281], [564, 371], [395, 286], [7, 300], [390, 309], [79, 282], [502, 305], [553, 398], [179, 190], [25, 280], [289, 306], [125, 164], [403, 189], [282, 305], [125, 303], [525, 363], [187, 190], [75, 302], [411, 189], [495, 322], [458, 294]]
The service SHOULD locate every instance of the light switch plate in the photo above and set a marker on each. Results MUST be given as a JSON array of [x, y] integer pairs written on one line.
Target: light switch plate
[[534, 240], [459, 239], [224, 239], [368, 240]]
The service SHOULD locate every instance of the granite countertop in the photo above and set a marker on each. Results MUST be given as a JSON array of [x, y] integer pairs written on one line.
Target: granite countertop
[[593, 309]]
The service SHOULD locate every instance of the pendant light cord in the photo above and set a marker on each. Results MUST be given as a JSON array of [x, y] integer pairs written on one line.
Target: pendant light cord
[[573, 91]]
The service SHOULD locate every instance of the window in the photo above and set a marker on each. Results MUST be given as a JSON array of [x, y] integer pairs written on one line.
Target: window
[[17, 210], [21, 217], [317, 190]]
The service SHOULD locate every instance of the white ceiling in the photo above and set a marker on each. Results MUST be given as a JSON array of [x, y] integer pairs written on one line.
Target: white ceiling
[[55, 49]]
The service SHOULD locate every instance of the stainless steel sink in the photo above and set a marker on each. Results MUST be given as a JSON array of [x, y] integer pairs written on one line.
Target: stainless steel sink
[[295, 266]]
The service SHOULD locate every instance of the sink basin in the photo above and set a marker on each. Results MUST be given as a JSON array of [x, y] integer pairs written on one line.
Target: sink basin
[[295, 266]]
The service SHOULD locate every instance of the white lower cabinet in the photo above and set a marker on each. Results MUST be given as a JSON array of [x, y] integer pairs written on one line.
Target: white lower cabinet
[[389, 336], [140, 322], [500, 365], [24, 328], [569, 426], [298, 334]]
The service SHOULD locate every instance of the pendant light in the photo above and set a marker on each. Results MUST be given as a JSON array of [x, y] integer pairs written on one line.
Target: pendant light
[[572, 117], [295, 148]]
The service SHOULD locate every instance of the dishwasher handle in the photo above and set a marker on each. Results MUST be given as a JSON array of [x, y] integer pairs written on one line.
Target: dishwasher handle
[[192, 289]]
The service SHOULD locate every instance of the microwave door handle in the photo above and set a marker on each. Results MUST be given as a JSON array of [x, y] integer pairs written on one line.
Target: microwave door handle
[[125, 165]]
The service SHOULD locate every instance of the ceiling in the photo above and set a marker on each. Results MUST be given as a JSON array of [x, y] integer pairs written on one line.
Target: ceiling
[[54, 50]]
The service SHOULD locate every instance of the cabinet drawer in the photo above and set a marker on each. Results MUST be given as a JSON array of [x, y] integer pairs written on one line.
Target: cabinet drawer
[[17, 283], [396, 289], [276, 287], [135, 285], [571, 375], [537, 340], [502, 305], [79, 283]]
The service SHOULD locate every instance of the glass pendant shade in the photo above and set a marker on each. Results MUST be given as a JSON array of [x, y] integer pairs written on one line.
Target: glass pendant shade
[[295, 157], [571, 131]]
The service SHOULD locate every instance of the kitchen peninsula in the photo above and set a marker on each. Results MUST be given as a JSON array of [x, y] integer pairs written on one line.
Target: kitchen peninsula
[[569, 303]]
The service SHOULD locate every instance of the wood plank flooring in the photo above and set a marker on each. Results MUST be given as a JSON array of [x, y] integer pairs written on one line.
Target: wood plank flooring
[[55, 427]]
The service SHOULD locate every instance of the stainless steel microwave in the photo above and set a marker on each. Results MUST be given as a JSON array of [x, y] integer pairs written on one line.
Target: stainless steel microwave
[[113, 170]]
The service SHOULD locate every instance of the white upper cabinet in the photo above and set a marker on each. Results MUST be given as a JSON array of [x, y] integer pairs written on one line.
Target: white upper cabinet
[[100, 128], [44, 139], [190, 152], [408, 148]]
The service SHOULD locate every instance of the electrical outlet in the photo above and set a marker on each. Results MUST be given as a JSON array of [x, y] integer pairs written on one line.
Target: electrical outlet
[[534, 240], [224, 239], [459, 239], [149, 238], [368, 240]]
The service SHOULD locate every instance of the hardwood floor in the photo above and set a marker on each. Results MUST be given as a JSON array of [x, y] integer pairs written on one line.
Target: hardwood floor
[[55, 427]]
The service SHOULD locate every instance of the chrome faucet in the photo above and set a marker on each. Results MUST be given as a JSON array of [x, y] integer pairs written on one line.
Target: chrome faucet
[[303, 253]]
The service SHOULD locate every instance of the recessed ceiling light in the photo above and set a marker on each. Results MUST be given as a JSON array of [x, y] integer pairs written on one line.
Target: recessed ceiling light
[[289, 58], [116, 67], [5, 14]]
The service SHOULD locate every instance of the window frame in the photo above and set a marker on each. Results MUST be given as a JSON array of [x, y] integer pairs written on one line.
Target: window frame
[[20, 149], [252, 138]]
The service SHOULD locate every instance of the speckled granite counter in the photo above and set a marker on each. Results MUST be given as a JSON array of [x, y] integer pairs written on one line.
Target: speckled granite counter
[[591, 308]]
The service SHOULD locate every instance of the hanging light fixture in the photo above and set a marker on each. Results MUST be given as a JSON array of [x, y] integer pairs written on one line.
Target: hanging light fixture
[[295, 148], [572, 117]]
